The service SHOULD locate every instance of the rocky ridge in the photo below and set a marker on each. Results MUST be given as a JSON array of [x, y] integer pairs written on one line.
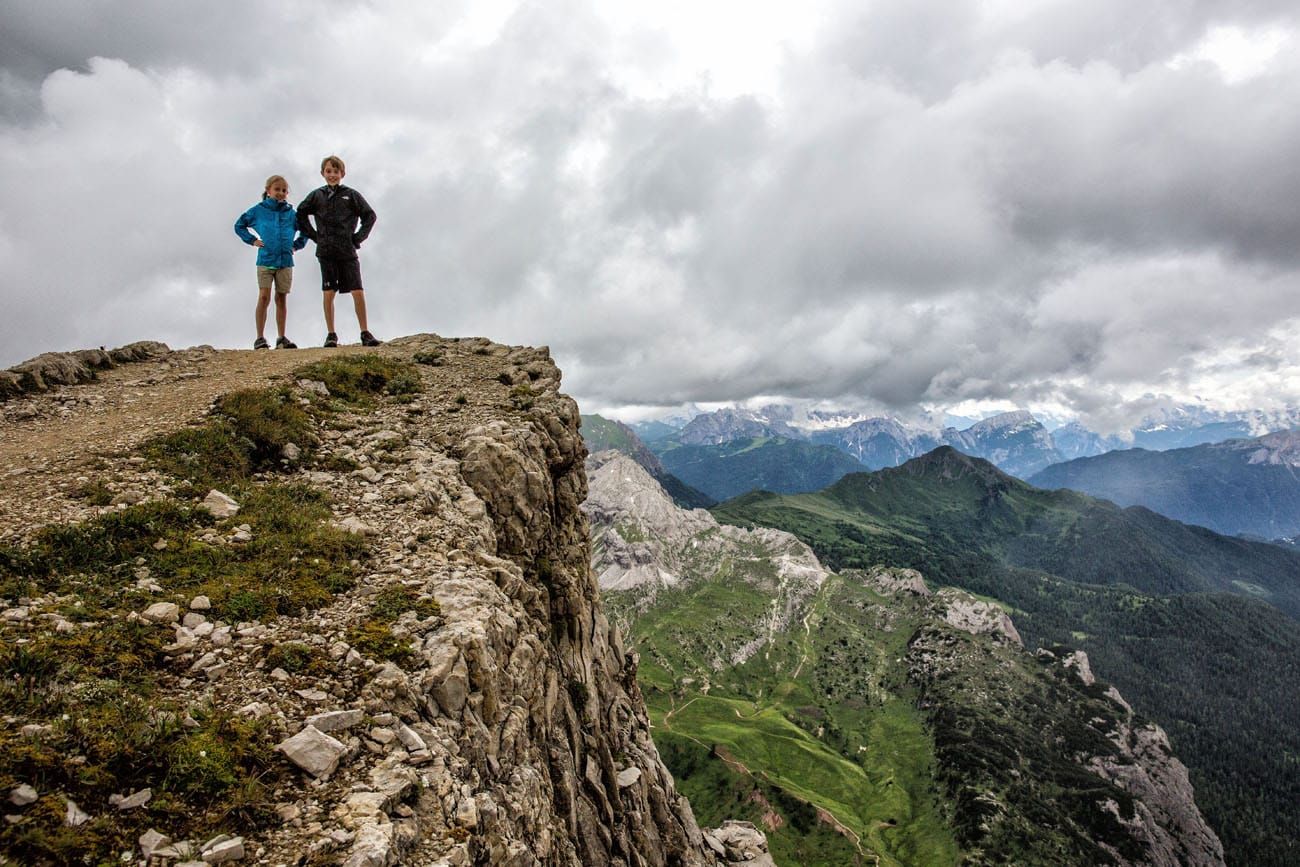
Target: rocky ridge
[[513, 732], [643, 542]]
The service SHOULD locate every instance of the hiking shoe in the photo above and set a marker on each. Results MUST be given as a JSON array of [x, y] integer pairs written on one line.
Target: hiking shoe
[[260, 343], [331, 339], [285, 343], [368, 339]]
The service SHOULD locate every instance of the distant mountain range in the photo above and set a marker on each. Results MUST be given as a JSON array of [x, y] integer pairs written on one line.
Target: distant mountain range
[[768, 463], [1016, 442], [1238, 487], [1197, 629]]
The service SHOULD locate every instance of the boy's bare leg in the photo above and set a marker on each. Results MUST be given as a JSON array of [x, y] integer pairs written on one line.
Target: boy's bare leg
[[281, 311], [329, 309], [259, 315], [359, 304]]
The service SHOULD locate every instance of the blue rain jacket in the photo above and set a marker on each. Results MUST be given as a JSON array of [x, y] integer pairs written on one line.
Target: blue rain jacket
[[275, 223]]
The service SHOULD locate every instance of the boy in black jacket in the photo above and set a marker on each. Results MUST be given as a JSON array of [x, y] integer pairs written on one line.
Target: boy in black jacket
[[337, 210]]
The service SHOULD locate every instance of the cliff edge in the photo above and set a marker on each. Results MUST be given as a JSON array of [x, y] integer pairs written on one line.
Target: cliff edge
[[453, 694]]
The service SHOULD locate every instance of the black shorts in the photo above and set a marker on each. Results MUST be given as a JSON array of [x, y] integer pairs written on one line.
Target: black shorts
[[340, 275]]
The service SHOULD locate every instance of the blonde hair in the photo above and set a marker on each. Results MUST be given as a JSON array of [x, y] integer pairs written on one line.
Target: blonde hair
[[272, 180], [332, 160]]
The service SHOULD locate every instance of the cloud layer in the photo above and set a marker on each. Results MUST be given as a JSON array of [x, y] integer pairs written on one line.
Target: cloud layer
[[915, 203]]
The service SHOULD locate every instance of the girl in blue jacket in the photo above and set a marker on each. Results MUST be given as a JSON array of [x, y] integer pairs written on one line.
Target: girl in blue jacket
[[275, 225]]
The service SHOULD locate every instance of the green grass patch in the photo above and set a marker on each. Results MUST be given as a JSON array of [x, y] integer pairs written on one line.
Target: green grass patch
[[246, 433], [96, 493], [393, 601], [208, 456], [718, 791], [432, 359], [295, 562], [106, 732], [298, 658], [523, 396], [359, 379], [15, 574], [376, 640], [111, 738], [821, 716], [374, 636]]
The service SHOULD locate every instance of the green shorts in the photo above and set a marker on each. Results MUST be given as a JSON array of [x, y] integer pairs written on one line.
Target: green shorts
[[280, 278]]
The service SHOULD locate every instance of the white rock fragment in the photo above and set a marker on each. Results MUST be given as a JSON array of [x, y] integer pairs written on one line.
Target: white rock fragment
[[410, 739], [151, 841], [628, 777], [314, 751], [373, 846], [162, 612], [205, 661], [353, 524], [133, 801], [185, 640], [23, 795], [336, 720], [219, 505], [215, 671], [467, 813], [382, 735], [227, 850], [315, 386], [200, 603], [75, 816]]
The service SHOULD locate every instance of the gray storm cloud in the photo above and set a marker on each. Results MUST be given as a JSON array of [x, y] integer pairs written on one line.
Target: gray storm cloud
[[933, 207]]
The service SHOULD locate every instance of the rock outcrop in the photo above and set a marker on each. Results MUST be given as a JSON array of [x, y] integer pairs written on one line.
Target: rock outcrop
[[508, 727], [642, 542], [53, 369]]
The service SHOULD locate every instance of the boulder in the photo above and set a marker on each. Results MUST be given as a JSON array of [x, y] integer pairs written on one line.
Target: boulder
[[314, 751]]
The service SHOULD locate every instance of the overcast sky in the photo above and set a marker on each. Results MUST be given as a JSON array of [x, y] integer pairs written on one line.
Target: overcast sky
[[961, 204]]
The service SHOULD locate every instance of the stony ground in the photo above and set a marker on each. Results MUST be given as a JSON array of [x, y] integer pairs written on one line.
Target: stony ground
[[53, 444], [50, 440], [508, 736]]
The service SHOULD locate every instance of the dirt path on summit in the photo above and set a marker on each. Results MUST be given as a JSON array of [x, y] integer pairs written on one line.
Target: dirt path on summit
[[48, 441]]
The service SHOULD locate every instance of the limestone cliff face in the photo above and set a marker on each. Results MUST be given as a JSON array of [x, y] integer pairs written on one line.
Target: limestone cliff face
[[528, 690], [552, 705]]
